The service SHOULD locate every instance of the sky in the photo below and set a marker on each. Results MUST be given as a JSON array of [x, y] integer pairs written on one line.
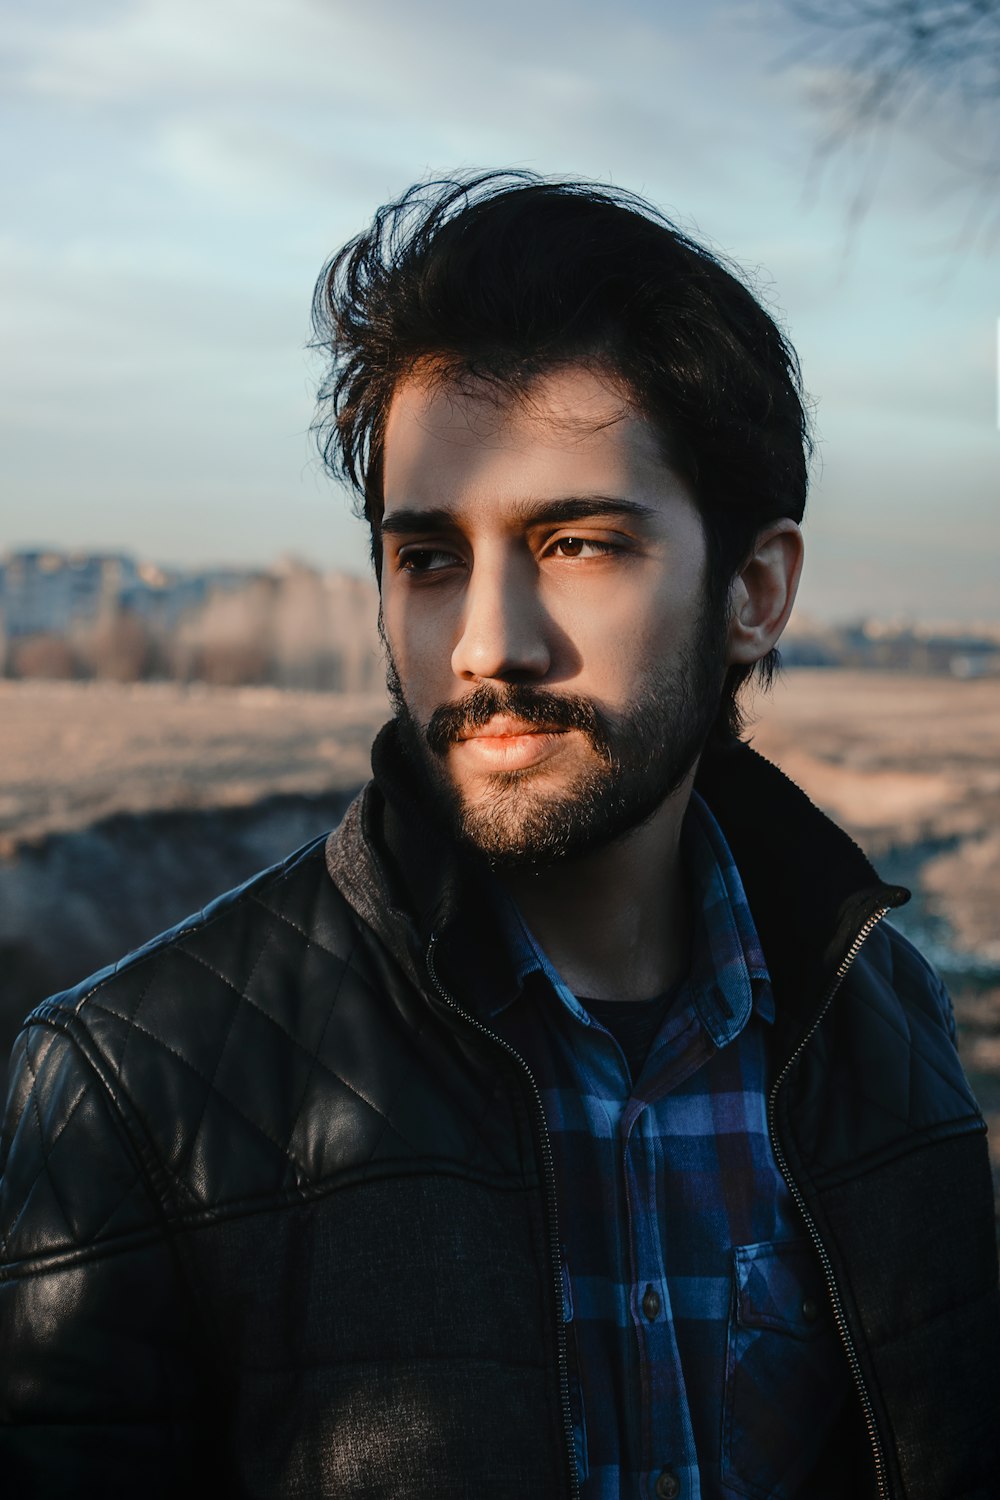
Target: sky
[[178, 171]]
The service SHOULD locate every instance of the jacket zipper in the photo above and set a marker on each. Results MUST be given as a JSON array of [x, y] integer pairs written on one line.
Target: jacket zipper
[[867, 1407], [552, 1216]]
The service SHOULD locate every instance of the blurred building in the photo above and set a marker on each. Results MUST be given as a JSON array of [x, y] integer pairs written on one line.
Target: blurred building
[[107, 615], [926, 649]]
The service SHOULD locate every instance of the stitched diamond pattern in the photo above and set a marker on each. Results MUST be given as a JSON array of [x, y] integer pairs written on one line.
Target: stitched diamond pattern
[[886, 1077], [253, 1052], [58, 1122]]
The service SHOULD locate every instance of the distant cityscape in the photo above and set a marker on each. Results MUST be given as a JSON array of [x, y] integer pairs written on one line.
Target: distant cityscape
[[99, 615], [67, 615], [895, 645]]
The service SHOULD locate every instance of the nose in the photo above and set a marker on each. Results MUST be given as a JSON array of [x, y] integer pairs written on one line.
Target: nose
[[503, 629]]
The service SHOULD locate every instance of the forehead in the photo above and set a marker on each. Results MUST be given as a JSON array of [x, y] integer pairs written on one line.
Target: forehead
[[571, 431]]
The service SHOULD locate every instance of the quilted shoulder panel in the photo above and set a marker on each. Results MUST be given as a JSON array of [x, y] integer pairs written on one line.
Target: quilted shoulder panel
[[263, 1047], [58, 1118], [882, 1074]]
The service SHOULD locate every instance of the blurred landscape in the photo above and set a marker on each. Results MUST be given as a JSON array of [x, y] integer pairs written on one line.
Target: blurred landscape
[[167, 734]]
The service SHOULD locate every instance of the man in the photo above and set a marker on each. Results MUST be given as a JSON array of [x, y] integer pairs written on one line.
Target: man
[[570, 1122]]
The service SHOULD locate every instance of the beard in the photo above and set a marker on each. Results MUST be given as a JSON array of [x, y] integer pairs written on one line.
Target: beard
[[637, 758]]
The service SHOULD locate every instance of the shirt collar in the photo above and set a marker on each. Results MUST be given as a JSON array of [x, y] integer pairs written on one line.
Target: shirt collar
[[728, 979]]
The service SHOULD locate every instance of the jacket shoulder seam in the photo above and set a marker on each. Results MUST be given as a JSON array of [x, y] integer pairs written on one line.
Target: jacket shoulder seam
[[208, 1216], [970, 1125]]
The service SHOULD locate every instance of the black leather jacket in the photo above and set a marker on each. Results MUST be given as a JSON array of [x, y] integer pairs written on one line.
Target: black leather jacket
[[277, 1215]]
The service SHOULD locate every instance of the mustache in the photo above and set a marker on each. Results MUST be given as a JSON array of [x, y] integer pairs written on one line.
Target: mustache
[[452, 722]]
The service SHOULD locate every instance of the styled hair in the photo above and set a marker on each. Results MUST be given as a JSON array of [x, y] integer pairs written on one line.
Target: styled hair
[[505, 276]]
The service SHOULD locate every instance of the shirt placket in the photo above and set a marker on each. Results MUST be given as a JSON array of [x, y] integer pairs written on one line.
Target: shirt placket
[[668, 1460]]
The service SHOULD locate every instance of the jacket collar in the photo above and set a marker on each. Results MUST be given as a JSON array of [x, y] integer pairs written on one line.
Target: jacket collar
[[810, 888], [411, 882]]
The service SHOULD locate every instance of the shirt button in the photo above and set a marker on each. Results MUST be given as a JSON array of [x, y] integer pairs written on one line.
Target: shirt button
[[667, 1486], [810, 1309], [651, 1303]]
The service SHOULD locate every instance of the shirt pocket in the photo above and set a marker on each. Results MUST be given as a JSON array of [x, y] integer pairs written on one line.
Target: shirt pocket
[[786, 1377]]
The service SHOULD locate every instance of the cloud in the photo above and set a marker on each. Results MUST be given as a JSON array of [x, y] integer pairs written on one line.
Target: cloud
[[250, 89]]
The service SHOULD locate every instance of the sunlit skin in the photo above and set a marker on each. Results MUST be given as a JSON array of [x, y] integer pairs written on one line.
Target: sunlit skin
[[545, 540]]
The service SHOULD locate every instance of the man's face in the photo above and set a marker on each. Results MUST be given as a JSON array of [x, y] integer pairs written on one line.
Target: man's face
[[553, 654]]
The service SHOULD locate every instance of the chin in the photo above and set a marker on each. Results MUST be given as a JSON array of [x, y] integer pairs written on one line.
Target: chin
[[520, 832]]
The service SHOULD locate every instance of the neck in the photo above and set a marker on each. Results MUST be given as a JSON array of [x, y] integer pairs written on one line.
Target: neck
[[615, 923]]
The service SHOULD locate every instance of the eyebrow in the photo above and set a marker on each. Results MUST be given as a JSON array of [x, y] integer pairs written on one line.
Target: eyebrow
[[568, 508]]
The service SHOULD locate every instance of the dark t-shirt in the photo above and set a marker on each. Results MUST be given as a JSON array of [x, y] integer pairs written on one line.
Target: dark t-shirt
[[633, 1023]]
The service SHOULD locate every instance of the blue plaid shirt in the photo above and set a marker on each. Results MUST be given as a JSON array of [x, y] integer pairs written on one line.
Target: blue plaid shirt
[[702, 1353]]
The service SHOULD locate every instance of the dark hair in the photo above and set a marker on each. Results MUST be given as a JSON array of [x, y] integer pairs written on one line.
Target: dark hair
[[504, 276]]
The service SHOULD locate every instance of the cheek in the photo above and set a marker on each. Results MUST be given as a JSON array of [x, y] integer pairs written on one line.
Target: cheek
[[421, 652], [621, 634]]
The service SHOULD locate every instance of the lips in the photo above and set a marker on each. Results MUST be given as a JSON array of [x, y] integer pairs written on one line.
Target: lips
[[503, 728], [506, 744], [491, 718]]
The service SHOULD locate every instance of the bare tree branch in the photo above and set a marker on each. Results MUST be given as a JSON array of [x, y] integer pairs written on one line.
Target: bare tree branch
[[928, 65]]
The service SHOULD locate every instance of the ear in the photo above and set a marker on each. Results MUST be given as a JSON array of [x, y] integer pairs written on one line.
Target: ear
[[763, 592]]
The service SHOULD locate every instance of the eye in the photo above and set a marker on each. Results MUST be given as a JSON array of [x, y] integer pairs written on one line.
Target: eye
[[581, 546], [425, 560]]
